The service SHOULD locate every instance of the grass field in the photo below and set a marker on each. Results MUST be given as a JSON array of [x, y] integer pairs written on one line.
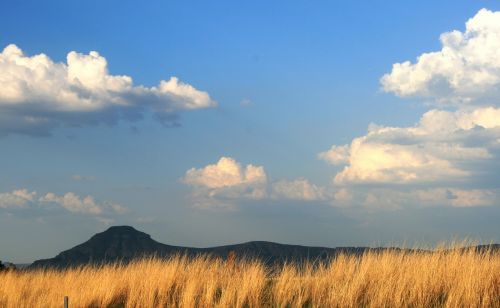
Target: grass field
[[456, 278]]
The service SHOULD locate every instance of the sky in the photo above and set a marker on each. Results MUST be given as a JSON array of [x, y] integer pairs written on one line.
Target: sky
[[326, 123]]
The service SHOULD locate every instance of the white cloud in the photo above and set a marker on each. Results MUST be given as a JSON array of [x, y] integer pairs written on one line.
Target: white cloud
[[227, 172], [465, 71], [220, 184], [17, 198], [299, 189], [86, 205], [338, 154], [443, 146], [224, 184], [74, 203], [37, 94], [23, 198]]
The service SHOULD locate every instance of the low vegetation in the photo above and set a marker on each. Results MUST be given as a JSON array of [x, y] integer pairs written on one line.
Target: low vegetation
[[441, 278]]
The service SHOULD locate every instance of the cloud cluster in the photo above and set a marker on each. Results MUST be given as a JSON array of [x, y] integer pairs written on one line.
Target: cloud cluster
[[70, 201], [447, 157], [442, 160], [465, 71], [37, 94], [225, 183]]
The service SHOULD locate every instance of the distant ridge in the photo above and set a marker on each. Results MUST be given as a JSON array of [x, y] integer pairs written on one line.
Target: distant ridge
[[125, 243]]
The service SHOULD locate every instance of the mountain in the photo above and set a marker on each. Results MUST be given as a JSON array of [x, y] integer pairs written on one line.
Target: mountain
[[124, 243], [117, 243]]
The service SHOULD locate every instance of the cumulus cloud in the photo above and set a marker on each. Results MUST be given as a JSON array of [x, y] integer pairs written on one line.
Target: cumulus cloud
[[224, 184], [442, 146], [37, 94], [23, 198], [218, 185], [465, 71], [445, 145], [227, 172]]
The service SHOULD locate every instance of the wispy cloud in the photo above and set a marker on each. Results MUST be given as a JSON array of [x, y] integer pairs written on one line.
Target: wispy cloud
[[82, 178], [246, 102], [25, 199], [390, 198]]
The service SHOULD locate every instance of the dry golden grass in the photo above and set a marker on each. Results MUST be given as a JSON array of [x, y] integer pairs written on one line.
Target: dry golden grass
[[441, 278]]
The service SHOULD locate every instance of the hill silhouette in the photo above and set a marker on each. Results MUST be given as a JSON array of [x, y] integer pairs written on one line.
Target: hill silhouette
[[125, 243]]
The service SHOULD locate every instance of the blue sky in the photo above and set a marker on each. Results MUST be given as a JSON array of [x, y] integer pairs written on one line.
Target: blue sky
[[284, 122]]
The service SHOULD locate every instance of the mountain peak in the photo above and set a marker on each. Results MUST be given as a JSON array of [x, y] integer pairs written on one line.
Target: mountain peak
[[117, 243], [122, 229], [121, 234]]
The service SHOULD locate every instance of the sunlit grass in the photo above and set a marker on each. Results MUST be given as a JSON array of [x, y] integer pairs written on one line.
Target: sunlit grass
[[442, 278]]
